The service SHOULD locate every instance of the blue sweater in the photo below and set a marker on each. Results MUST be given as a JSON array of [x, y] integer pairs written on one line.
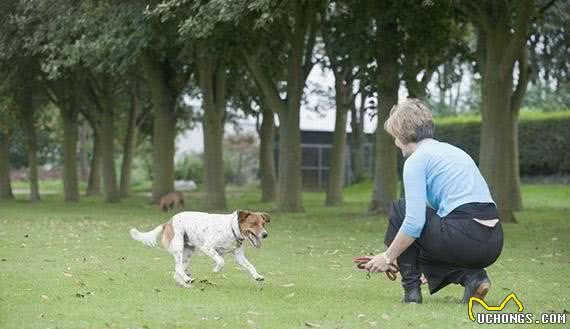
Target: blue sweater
[[442, 177]]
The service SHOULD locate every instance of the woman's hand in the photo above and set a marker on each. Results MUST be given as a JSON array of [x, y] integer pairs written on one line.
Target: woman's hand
[[379, 263]]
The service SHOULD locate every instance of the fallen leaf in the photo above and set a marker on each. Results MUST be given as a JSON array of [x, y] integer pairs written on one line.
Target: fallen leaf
[[45, 297], [385, 316], [290, 295], [69, 275], [288, 285], [312, 325]]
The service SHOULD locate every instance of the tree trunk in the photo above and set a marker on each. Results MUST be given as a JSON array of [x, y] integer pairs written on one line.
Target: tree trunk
[[213, 161], [385, 167], [32, 142], [110, 188], [83, 156], [94, 181], [357, 125], [299, 65], [498, 155], [5, 184], [163, 99], [500, 45], [266, 156], [212, 77], [70, 135], [337, 160], [290, 175], [129, 147]]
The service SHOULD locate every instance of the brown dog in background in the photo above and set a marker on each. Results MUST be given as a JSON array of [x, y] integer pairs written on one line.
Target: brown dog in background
[[172, 200]]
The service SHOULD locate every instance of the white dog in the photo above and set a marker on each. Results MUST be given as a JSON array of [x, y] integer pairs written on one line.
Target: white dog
[[213, 234]]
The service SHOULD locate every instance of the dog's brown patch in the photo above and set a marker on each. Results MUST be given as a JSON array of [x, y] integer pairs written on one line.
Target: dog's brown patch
[[167, 234]]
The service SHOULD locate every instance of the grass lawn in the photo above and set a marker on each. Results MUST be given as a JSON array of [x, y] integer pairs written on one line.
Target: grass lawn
[[75, 266]]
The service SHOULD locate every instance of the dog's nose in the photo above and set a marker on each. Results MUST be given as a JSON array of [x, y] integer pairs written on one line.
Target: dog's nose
[[264, 235]]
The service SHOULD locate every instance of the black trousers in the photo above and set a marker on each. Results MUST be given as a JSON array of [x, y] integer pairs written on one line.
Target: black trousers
[[452, 248]]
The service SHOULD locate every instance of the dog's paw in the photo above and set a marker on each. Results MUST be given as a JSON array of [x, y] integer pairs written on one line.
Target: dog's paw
[[184, 284], [183, 281], [259, 278]]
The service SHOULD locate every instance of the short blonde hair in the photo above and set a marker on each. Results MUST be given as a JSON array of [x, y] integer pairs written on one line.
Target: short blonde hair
[[410, 121]]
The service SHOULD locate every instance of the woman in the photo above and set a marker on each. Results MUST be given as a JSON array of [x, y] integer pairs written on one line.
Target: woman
[[458, 234]]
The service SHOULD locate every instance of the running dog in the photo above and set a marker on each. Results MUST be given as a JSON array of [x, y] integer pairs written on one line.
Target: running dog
[[213, 234]]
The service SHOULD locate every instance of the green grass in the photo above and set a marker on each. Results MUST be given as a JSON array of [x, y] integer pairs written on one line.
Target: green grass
[[74, 266]]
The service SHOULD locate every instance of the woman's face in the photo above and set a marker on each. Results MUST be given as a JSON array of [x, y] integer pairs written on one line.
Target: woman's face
[[407, 149]]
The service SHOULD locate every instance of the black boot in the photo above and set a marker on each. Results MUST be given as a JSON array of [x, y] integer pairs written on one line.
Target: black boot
[[476, 284], [411, 284]]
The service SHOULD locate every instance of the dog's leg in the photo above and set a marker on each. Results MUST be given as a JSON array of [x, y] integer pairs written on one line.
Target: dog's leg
[[177, 250], [212, 253], [243, 262], [187, 253]]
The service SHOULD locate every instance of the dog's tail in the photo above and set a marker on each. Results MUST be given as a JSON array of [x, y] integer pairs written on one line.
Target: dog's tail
[[148, 238]]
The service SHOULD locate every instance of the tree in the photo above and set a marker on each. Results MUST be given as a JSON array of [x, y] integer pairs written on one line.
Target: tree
[[357, 117], [64, 94], [346, 43], [421, 58], [387, 54], [137, 113], [267, 155], [6, 115], [26, 90], [213, 76], [246, 96], [296, 29], [502, 34], [549, 48], [101, 92]]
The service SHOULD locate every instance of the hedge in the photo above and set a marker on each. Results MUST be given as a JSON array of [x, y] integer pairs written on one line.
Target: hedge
[[544, 140]]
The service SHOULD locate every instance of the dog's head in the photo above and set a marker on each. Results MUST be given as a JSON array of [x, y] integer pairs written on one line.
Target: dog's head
[[252, 226]]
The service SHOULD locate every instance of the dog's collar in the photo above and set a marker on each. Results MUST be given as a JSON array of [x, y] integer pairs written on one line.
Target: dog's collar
[[239, 238]]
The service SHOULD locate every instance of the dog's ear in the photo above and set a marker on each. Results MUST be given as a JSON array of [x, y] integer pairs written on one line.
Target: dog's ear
[[265, 216], [242, 215]]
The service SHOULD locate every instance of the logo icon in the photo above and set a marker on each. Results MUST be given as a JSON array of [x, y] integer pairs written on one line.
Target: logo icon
[[493, 308]]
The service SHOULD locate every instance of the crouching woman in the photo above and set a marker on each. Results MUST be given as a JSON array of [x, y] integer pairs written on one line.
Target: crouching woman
[[448, 225]]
